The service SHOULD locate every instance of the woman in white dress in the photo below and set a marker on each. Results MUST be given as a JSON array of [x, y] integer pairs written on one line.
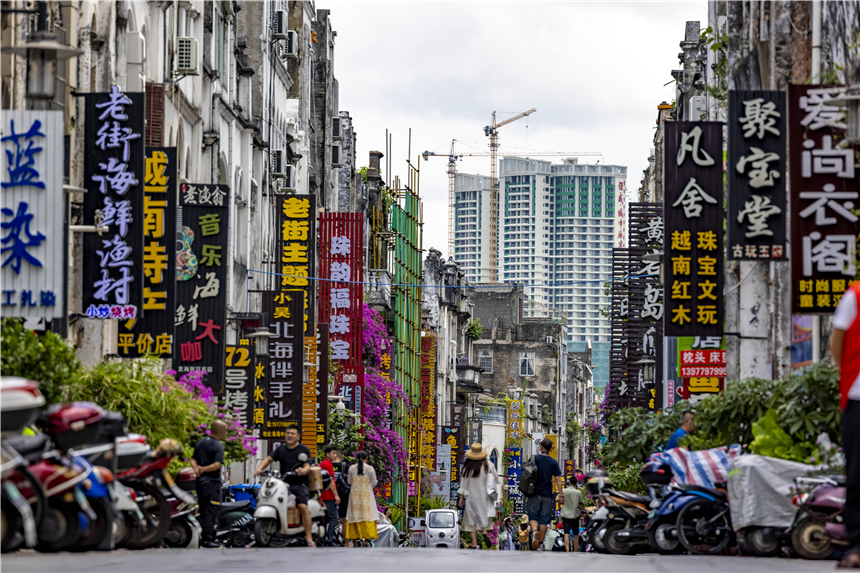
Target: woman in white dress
[[478, 492], [362, 512]]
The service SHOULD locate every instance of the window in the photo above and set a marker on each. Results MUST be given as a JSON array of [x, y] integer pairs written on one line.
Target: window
[[527, 363], [485, 360], [494, 458], [441, 520]]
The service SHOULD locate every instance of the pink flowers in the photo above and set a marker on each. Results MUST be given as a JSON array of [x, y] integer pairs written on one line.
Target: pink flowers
[[374, 337]]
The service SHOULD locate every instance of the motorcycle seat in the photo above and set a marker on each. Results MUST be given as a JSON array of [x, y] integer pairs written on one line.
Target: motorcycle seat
[[644, 499], [30, 448], [690, 487], [228, 506]]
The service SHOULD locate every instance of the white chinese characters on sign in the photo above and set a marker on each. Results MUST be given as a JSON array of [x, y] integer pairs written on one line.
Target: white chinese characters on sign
[[690, 143], [691, 199], [759, 117]]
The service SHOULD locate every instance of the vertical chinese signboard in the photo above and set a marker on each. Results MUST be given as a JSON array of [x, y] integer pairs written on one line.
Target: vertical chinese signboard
[[239, 382], [645, 320], [201, 281], [341, 237], [619, 373], [756, 220], [515, 453], [296, 246], [309, 395], [33, 222], [322, 383], [450, 436], [458, 421], [824, 190], [114, 176], [152, 331], [694, 229], [428, 402], [284, 385]]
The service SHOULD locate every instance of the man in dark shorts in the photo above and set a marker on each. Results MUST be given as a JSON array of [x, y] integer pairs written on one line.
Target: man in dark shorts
[[206, 462], [340, 469], [294, 457], [570, 514], [541, 506], [330, 497]]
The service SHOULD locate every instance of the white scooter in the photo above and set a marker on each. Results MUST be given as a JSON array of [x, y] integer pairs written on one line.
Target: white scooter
[[278, 522]]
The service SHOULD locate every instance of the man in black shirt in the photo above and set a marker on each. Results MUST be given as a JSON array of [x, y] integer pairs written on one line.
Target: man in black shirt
[[207, 461], [540, 507], [294, 457]]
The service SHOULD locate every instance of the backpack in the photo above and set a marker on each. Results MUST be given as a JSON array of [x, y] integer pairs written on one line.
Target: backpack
[[529, 478], [341, 483]]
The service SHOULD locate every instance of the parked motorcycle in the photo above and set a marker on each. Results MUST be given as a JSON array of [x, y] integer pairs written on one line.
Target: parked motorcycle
[[184, 530], [277, 519], [818, 528], [235, 521], [704, 524]]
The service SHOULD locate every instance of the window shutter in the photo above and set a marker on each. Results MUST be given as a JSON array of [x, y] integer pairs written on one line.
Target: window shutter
[[154, 115]]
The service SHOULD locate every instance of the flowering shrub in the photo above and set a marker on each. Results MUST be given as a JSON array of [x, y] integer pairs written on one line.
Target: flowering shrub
[[374, 337], [382, 443], [592, 442]]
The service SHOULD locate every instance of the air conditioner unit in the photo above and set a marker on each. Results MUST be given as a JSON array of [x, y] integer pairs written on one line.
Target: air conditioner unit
[[336, 155], [186, 55], [279, 162], [549, 339], [279, 25], [698, 106], [290, 46], [336, 129], [288, 183]]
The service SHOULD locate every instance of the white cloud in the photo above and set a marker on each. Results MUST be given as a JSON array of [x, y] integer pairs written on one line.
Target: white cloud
[[594, 71]]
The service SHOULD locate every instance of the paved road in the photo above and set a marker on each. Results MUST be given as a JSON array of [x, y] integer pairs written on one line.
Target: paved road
[[384, 560]]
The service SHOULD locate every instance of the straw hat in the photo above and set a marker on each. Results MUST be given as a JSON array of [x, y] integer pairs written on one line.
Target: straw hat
[[476, 452]]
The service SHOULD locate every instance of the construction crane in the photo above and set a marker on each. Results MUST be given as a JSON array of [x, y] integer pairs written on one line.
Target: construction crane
[[453, 157]]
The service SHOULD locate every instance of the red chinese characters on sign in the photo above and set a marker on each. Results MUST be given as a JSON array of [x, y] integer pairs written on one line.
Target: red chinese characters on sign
[[690, 371]]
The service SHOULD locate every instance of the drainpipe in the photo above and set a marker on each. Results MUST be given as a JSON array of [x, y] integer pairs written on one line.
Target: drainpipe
[[816, 42]]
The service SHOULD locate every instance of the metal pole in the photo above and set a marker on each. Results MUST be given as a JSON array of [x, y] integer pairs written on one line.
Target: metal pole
[[816, 42]]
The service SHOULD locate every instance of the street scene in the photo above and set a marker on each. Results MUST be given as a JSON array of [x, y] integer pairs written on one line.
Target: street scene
[[284, 288]]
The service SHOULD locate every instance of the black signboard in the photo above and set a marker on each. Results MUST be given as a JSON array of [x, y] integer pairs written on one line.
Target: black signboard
[[296, 246], [114, 178], [825, 193], [284, 311], [201, 287], [645, 320], [619, 389], [153, 330], [757, 214], [693, 287]]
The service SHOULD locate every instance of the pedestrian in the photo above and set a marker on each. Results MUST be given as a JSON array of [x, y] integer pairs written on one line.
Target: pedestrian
[[541, 505], [478, 492], [845, 347], [362, 513], [506, 536], [206, 462], [341, 468], [570, 514], [330, 496], [294, 457], [688, 426]]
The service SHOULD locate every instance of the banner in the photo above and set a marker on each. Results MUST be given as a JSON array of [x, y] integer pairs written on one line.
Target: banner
[[33, 224], [239, 383], [285, 312], [296, 245], [756, 222], [694, 274], [428, 401], [824, 189], [201, 281], [153, 330], [515, 470], [113, 177]]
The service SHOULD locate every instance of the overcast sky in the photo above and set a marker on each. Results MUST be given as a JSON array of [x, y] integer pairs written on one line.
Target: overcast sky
[[594, 71]]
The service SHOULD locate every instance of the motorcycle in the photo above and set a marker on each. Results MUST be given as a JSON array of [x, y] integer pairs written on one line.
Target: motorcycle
[[184, 528], [704, 524], [278, 521], [235, 521], [818, 528], [623, 530]]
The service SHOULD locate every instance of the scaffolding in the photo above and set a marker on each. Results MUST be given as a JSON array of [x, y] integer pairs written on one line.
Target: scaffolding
[[407, 228]]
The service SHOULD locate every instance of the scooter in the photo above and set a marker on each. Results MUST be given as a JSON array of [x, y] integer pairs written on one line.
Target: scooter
[[235, 521], [278, 521], [818, 528]]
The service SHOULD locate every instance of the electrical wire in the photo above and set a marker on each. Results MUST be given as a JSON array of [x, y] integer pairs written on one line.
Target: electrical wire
[[457, 286]]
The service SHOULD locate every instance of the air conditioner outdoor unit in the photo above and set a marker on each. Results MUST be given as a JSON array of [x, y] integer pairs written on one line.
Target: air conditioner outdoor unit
[[336, 155], [279, 160], [336, 129], [279, 25], [549, 339], [186, 55], [289, 181], [290, 45]]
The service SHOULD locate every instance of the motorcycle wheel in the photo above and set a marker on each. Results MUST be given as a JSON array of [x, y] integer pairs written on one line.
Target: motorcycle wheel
[[613, 545], [156, 513], [597, 540], [662, 542], [37, 506], [178, 535], [755, 543], [98, 529], [704, 527], [60, 527], [811, 540], [264, 531]]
